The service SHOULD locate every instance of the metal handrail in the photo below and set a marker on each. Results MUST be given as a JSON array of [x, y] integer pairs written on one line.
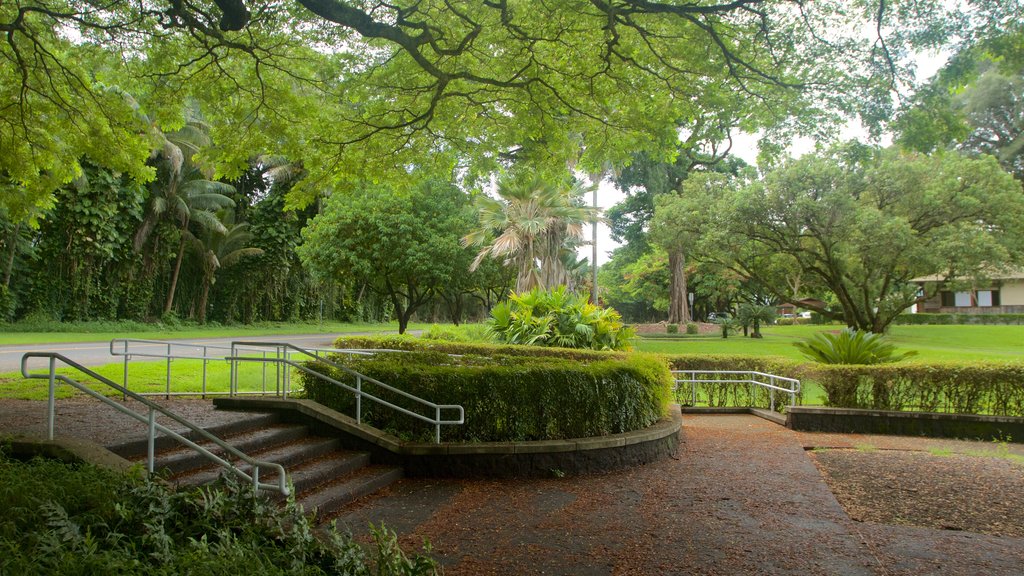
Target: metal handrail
[[150, 420], [751, 378], [170, 351], [282, 357]]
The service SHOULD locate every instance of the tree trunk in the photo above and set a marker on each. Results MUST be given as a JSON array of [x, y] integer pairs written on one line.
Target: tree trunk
[[203, 298], [12, 249], [174, 276], [679, 306], [757, 329]]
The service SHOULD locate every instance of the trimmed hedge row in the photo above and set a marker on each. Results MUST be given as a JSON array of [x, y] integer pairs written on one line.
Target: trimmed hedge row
[[969, 388], [935, 318], [721, 394], [962, 388], [412, 343], [506, 397]]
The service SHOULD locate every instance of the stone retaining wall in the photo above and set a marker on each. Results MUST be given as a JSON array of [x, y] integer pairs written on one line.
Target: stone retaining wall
[[483, 459]]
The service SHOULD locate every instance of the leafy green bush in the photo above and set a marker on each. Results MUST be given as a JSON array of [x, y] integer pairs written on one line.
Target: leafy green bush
[[558, 318], [412, 343], [672, 328], [945, 319], [692, 328], [507, 397], [79, 519], [850, 347], [957, 387]]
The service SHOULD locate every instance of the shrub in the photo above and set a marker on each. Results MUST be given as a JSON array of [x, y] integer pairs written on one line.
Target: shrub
[[79, 519], [672, 328], [412, 343], [507, 397], [958, 387], [850, 347], [558, 318], [463, 333], [692, 328], [941, 319], [720, 394]]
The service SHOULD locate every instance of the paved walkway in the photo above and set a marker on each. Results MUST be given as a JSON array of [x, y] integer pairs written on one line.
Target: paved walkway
[[741, 497]]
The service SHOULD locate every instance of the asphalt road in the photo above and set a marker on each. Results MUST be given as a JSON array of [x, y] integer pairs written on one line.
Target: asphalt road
[[98, 353]]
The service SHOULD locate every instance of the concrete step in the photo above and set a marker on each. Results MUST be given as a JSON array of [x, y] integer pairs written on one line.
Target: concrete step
[[135, 449], [181, 460], [327, 500]]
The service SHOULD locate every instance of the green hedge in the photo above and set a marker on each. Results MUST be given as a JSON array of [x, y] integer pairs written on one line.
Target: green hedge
[[957, 387], [930, 318], [412, 343], [722, 395], [508, 397]]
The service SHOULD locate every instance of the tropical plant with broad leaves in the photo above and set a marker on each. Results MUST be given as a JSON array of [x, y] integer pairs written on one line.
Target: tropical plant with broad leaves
[[752, 315], [851, 347], [558, 318]]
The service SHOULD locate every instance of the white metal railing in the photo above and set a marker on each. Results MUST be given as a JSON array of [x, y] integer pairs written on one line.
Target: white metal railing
[[771, 382], [131, 348], [149, 419], [282, 357]]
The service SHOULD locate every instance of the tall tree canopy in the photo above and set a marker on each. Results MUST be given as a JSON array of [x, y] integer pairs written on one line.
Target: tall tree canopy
[[358, 89], [862, 223]]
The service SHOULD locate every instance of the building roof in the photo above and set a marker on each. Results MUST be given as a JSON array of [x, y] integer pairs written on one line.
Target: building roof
[[1004, 275]]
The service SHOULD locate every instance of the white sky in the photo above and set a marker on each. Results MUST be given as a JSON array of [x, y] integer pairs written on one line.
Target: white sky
[[745, 146]]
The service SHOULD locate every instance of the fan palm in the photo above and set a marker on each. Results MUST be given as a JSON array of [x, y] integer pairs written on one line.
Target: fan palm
[[531, 222]]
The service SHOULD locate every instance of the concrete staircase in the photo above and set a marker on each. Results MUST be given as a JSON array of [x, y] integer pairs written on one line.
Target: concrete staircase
[[326, 476]]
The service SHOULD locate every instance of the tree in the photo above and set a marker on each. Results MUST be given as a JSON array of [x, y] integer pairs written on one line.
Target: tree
[[531, 222], [862, 223], [194, 201], [679, 221], [975, 103], [221, 249], [431, 82], [404, 245]]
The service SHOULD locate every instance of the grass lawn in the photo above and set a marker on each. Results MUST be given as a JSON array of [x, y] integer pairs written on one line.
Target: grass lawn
[[146, 377], [933, 343], [13, 334]]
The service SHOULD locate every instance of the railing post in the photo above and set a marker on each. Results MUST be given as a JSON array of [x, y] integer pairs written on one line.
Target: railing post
[[167, 391], [437, 424], [151, 441], [264, 364], [693, 388], [359, 400], [771, 381], [205, 360], [124, 395], [233, 371], [51, 415]]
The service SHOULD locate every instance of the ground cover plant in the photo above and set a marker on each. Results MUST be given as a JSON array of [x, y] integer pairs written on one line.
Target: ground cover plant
[[559, 318], [507, 397], [65, 518]]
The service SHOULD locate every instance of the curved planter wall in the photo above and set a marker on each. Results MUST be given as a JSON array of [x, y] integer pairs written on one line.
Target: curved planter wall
[[484, 459]]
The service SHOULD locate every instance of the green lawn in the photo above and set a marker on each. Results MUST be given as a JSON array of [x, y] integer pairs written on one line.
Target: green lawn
[[933, 343], [12, 334], [146, 377]]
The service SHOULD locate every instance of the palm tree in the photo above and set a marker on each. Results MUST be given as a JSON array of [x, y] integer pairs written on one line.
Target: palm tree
[[531, 222], [195, 202], [221, 250]]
